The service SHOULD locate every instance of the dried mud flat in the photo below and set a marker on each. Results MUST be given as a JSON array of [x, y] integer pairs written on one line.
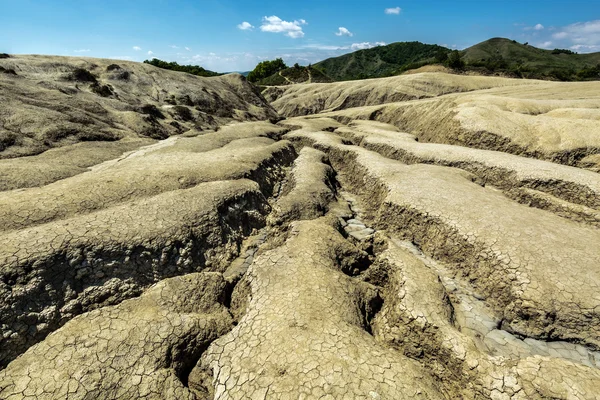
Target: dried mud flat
[[363, 252]]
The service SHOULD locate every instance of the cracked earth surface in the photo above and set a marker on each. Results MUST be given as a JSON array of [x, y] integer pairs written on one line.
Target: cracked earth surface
[[330, 256]]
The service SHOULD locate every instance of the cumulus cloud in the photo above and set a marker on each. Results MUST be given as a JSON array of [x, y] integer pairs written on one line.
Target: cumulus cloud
[[583, 34], [393, 11], [137, 48], [187, 48], [275, 24], [545, 45], [365, 45], [150, 52], [173, 46], [536, 27], [82, 51], [343, 32], [245, 26]]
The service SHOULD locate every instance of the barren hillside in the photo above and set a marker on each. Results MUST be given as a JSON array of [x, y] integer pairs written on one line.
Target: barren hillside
[[426, 236]]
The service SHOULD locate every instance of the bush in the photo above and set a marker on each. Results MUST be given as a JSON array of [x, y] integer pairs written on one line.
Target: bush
[[4, 55], [562, 51], [113, 67], [150, 109], [184, 113], [82, 75], [589, 73], [7, 139], [173, 66], [120, 75], [454, 61], [9, 71], [102, 90]]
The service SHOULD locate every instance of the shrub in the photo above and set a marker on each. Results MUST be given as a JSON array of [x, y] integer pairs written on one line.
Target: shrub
[[152, 110], [562, 51], [7, 139], [9, 71], [113, 67], [184, 113], [4, 55], [454, 61], [122, 75], [102, 90], [82, 75], [173, 66], [171, 100]]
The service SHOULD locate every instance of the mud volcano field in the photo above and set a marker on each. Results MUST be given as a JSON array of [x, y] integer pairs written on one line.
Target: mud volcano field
[[165, 236]]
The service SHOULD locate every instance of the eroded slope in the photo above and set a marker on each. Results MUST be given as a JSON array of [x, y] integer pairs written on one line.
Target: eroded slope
[[322, 257]]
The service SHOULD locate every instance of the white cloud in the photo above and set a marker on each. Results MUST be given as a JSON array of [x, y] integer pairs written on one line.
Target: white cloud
[[585, 48], [545, 45], [393, 11], [82, 51], [245, 26], [365, 45], [536, 27], [277, 25], [580, 33], [137, 48], [173, 46], [150, 52], [353, 46], [343, 32], [187, 48]]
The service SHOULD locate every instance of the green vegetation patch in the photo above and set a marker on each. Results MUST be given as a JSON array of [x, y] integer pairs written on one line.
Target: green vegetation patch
[[190, 69]]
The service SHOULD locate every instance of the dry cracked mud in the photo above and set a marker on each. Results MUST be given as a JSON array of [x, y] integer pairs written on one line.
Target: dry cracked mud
[[369, 250]]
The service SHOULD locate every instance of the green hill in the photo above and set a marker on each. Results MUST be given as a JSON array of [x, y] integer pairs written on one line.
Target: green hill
[[380, 61], [505, 55]]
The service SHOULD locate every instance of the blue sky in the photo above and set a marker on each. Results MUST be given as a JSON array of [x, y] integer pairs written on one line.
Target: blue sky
[[235, 35]]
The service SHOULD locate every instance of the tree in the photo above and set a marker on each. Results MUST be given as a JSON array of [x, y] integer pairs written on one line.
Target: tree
[[441, 56], [265, 69], [454, 60]]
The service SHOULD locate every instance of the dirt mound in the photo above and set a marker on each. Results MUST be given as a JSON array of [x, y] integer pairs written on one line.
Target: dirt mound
[[548, 120], [325, 256], [56, 101]]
